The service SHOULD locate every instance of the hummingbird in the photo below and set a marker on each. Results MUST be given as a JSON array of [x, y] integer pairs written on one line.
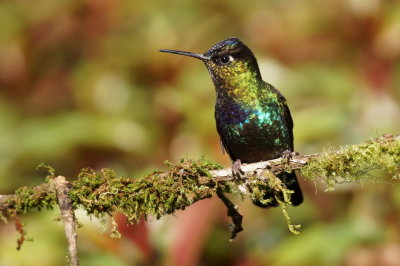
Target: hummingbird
[[252, 117]]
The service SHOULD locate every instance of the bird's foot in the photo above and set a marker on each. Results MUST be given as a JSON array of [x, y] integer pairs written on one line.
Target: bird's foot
[[288, 155], [237, 172]]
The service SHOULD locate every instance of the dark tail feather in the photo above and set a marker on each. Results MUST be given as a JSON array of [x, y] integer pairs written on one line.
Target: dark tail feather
[[291, 182]]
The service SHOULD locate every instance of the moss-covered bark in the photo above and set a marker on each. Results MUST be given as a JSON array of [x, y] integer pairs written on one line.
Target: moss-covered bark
[[159, 193]]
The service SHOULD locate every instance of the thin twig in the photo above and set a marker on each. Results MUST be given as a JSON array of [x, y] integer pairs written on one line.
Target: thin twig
[[62, 187], [233, 212], [20, 229]]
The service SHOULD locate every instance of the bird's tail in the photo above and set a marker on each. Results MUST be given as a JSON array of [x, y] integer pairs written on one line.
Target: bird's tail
[[290, 180]]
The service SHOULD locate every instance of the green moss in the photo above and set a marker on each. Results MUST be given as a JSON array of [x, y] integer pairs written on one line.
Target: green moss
[[26, 199], [156, 194], [294, 228], [29, 198], [271, 184], [50, 170], [159, 193], [355, 163]]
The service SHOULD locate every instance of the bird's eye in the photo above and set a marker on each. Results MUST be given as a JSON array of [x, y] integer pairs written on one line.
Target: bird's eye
[[225, 59]]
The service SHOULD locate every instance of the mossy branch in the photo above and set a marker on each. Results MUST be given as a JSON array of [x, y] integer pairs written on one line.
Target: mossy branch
[[159, 193]]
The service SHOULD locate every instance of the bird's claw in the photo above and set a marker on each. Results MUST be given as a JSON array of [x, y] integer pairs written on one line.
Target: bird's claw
[[237, 171], [288, 155]]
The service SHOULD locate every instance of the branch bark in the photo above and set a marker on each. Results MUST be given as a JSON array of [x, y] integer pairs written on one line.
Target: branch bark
[[62, 187], [276, 166]]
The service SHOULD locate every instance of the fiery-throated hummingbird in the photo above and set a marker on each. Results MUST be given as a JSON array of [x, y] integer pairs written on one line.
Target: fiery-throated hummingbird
[[253, 120]]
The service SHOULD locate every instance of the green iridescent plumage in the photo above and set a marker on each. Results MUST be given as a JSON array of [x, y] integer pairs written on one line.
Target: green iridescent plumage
[[252, 117]]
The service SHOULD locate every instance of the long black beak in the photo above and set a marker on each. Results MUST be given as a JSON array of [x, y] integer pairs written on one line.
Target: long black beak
[[198, 56]]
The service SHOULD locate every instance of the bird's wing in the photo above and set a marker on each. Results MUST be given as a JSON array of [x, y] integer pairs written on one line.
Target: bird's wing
[[289, 121], [224, 143], [286, 114], [222, 146]]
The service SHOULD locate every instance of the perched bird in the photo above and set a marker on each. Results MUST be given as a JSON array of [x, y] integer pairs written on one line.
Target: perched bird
[[253, 120]]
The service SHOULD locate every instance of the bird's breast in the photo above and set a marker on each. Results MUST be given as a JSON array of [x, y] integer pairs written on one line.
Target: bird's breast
[[252, 132]]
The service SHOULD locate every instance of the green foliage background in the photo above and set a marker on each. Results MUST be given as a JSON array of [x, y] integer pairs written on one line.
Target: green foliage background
[[82, 85]]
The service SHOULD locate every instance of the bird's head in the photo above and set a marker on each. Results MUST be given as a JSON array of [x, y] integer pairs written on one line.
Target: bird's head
[[229, 61]]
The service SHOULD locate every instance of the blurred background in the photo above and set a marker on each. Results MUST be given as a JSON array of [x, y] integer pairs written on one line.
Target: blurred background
[[82, 85]]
